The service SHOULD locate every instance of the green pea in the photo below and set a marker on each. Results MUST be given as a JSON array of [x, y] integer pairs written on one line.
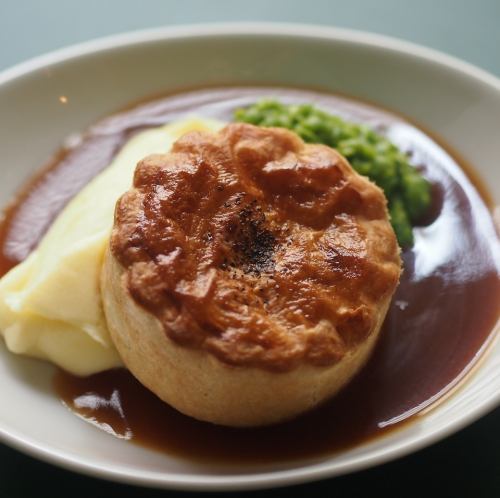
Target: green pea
[[401, 222]]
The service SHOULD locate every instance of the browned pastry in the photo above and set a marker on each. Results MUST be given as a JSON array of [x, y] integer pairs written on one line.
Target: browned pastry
[[248, 274]]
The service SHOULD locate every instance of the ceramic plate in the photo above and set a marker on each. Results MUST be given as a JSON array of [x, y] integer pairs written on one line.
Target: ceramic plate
[[459, 102]]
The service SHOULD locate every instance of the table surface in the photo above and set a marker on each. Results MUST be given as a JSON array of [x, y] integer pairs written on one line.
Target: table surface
[[466, 464]]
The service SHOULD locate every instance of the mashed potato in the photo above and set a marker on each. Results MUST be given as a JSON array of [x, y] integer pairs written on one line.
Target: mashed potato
[[50, 304]]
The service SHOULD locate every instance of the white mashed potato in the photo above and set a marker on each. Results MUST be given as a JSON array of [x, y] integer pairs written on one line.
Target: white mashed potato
[[50, 304]]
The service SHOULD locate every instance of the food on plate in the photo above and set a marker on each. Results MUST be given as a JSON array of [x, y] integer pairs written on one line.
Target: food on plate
[[50, 304], [425, 346], [368, 152], [249, 274]]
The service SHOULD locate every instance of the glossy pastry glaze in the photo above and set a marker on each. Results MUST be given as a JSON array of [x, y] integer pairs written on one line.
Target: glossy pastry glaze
[[257, 248]]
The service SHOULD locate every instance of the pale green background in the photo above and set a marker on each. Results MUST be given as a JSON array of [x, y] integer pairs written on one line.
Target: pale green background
[[466, 464], [469, 29]]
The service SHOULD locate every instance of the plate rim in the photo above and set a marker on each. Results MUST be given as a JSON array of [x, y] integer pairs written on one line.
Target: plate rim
[[236, 28], [259, 480]]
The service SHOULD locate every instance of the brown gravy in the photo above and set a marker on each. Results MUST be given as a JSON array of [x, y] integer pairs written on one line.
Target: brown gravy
[[441, 317]]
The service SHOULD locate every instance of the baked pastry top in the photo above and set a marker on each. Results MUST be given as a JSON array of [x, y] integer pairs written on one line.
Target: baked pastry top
[[258, 248]]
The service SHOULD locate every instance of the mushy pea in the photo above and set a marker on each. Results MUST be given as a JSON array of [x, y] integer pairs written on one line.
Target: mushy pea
[[370, 154]]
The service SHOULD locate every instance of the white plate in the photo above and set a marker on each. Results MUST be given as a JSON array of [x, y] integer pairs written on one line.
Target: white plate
[[460, 102]]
